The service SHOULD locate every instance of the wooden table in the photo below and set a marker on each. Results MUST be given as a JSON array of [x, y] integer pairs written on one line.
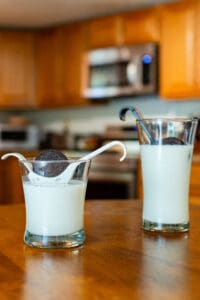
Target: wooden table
[[118, 261]]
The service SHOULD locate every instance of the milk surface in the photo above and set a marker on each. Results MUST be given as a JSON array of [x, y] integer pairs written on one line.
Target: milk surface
[[166, 173], [55, 209]]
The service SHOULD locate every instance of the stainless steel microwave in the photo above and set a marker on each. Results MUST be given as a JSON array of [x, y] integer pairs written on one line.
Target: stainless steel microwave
[[25, 137], [121, 71]]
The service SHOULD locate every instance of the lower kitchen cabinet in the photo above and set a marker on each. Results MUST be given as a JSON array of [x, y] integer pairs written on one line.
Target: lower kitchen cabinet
[[11, 190], [11, 185], [195, 180], [10, 182]]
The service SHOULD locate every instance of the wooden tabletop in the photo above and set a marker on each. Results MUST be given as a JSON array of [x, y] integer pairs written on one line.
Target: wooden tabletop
[[118, 261]]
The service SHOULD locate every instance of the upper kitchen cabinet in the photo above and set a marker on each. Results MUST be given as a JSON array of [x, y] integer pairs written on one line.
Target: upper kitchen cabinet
[[103, 32], [197, 46], [17, 76], [72, 63], [58, 66], [49, 68], [180, 48], [141, 26]]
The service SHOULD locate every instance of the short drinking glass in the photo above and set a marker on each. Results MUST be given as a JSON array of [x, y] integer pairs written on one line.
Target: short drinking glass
[[54, 208]]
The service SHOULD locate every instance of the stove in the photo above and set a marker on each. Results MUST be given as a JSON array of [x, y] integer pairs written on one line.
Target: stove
[[111, 179], [108, 177]]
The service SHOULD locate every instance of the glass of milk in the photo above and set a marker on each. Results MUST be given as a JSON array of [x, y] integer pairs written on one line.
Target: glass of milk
[[55, 207], [166, 155]]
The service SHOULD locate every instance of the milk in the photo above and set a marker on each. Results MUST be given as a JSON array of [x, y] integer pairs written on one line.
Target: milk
[[55, 209], [166, 173]]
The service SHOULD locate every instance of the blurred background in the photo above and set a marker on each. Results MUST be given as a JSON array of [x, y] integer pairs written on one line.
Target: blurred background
[[67, 67]]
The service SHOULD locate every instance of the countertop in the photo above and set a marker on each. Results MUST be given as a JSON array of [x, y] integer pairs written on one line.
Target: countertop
[[118, 261]]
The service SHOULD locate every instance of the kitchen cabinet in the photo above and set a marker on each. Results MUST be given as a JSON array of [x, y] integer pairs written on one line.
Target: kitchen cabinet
[[10, 182], [58, 66], [73, 60], [195, 179], [11, 190], [17, 76], [179, 50], [49, 68], [139, 189], [141, 26], [197, 47], [103, 32]]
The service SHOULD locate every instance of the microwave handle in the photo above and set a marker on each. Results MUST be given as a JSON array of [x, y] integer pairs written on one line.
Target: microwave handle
[[132, 72]]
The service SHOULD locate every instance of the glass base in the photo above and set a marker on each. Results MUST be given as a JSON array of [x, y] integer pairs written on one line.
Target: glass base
[[60, 241], [162, 227]]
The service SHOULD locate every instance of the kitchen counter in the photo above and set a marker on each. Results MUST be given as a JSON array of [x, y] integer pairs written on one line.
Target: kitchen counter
[[118, 261]]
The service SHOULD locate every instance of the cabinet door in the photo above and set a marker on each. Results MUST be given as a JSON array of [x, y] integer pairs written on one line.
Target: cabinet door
[[178, 50], [17, 76], [49, 68], [195, 180], [139, 181], [10, 182], [103, 32], [11, 190], [197, 47], [141, 26], [73, 59]]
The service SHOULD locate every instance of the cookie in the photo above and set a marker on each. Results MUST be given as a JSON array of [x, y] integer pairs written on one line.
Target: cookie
[[45, 163], [172, 141]]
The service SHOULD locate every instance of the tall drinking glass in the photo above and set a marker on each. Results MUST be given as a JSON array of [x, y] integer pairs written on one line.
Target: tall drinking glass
[[54, 209], [166, 155]]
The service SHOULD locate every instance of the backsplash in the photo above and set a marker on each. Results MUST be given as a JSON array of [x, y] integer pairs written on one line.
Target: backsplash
[[94, 118]]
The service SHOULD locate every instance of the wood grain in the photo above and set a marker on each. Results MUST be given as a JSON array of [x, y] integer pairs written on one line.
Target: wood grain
[[17, 64], [178, 50], [118, 260], [141, 26], [103, 32]]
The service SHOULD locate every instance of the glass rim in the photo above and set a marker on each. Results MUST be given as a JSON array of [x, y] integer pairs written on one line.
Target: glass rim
[[175, 119], [69, 160]]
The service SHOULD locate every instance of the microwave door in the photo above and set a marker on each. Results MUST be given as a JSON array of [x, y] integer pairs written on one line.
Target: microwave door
[[106, 80]]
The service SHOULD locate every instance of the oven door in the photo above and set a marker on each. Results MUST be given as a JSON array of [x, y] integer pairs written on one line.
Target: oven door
[[111, 179], [105, 185]]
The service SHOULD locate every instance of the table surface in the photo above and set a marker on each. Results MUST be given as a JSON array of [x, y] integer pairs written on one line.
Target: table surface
[[118, 261]]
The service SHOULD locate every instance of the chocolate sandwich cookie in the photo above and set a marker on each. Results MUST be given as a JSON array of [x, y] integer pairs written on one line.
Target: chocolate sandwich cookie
[[172, 141], [45, 163]]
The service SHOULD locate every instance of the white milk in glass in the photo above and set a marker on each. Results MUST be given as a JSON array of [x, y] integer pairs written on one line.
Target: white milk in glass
[[55, 209], [166, 172]]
